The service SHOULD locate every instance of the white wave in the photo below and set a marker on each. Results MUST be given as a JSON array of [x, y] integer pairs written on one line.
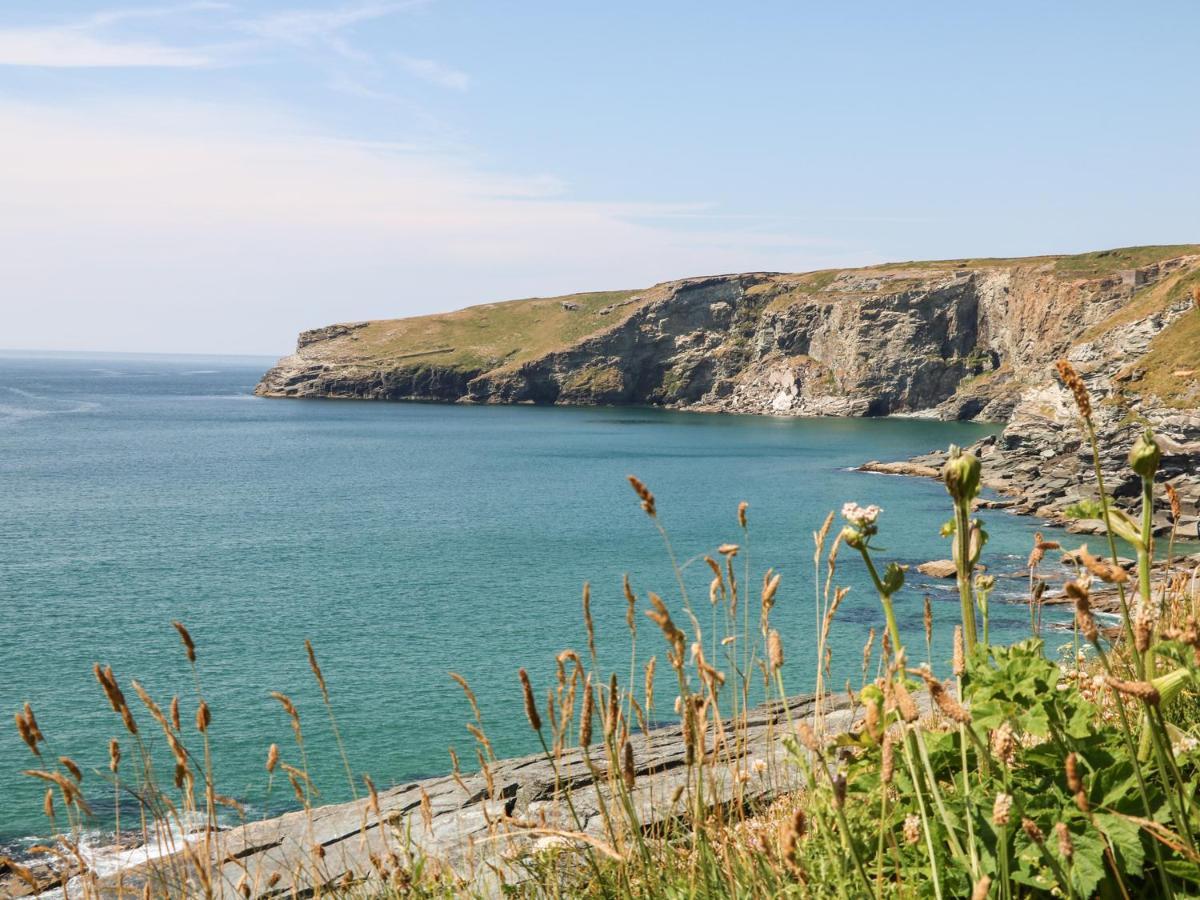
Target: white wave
[[104, 859]]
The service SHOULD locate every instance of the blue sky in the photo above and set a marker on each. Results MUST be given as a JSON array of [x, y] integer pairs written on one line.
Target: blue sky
[[215, 176]]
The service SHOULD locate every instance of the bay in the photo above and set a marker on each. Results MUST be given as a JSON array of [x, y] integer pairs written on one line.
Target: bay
[[406, 541]]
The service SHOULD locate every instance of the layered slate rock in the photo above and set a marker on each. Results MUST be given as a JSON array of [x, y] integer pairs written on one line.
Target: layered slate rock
[[481, 831]]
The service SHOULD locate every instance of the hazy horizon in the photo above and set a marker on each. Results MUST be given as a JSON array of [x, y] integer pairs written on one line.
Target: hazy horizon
[[214, 177]]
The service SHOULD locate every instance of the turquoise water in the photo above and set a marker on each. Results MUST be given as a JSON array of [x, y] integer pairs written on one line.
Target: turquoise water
[[405, 540]]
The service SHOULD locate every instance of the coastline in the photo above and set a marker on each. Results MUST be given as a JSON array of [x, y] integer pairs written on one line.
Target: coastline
[[481, 824]]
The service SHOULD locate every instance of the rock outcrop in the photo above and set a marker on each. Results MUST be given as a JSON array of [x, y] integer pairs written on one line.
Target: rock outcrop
[[479, 827], [967, 339]]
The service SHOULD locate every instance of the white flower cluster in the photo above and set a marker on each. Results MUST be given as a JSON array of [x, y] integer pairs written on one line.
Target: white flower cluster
[[861, 516]]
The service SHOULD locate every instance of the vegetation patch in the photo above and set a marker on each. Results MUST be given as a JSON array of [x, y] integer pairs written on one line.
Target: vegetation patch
[[486, 336], [1171, 368]]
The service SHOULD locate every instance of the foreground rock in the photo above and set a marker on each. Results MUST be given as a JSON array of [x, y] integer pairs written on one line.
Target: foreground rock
[[471, 827]]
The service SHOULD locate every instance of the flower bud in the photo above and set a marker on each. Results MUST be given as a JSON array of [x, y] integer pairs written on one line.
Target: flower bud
[[1145, 455], [852, 537], [893, 579], [961, 475]]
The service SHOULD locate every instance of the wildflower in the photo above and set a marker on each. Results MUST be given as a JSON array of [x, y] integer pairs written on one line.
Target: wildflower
[[1004, 745], [912, 828], [759, 767], [1002, 808], [1065, 846], [1034, 833], [863, 517]]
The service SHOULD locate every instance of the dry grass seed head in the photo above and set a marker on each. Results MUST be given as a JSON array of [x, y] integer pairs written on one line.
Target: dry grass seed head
[[775, 650], [904, 701], [628, 770], [1002, 809], [26, 733], [630, 605], [1070, 378], [188, 644], [644, 495], [1066, 846], [1105, 571], [1142, 690], [316, 669], [31, 720], [531, 710]]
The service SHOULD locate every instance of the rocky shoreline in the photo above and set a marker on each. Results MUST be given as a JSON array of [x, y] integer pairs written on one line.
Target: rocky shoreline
[[479, 826]]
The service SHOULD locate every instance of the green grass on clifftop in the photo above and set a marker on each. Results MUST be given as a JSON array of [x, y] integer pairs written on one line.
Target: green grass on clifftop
[[489, 335]]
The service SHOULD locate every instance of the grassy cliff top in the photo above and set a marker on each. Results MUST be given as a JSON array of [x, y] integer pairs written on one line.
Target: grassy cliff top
[[489, 335], [499, 335]]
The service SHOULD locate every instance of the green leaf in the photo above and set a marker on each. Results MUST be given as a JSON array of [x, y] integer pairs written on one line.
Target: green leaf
[[1126, 838]]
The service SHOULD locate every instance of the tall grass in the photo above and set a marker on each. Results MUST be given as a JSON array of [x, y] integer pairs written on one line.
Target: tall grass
[[1015, 775]]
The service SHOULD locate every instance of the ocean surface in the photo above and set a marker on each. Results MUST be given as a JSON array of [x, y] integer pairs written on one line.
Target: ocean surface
[[406, 541]]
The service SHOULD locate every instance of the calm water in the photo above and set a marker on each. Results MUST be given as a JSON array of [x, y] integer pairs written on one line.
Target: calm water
[[405, 540]]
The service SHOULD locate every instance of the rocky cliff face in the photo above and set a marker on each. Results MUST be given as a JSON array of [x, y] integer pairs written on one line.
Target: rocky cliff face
[[970, 339]]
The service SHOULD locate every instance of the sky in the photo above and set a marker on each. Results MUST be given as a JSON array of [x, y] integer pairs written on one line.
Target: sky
[[215, 176]]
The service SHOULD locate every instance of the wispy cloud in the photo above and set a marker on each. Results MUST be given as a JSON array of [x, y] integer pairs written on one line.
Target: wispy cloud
[[434, 72], [312, 26], [87, 43], [180, 220], [68, 47]]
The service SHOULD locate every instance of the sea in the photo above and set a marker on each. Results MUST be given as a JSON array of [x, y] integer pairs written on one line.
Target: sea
[[405, 541]]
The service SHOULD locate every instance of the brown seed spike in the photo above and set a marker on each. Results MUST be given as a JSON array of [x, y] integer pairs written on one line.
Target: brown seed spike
[[959, 661], [888, 763], [1143, 690], [1074, 782], [316, 669], [904, 701], [1066, 847], [587, 714], [114, 756], [33, 725], [628, 771], [188, 644], [587, 619], [775, 650], [1031, 829], [26, 733], [644, 495], [203, 717], [531, 710], [71, 766], [742, 507], [1070, 378], [272, 757]]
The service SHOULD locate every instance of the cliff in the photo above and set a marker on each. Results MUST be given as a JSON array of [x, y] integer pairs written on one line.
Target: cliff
[[957, 339]]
